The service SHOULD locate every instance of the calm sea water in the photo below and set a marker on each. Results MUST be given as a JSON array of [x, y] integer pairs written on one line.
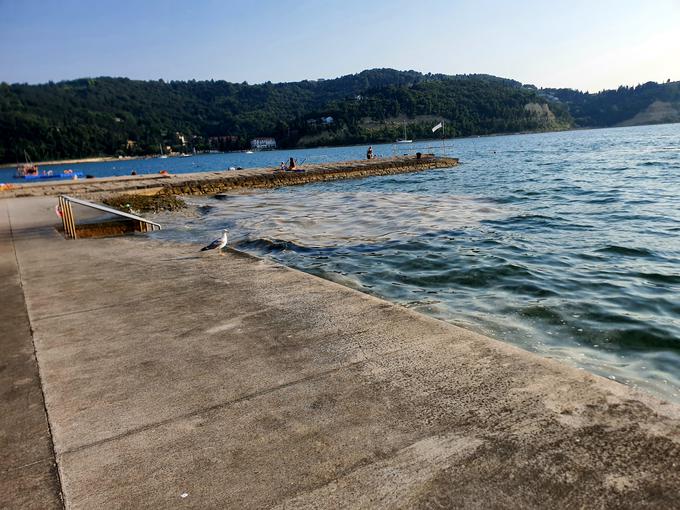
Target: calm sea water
[[212, 162], [566, 244]]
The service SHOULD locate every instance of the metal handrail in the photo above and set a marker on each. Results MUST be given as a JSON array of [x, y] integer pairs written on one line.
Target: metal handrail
[[68, 219]]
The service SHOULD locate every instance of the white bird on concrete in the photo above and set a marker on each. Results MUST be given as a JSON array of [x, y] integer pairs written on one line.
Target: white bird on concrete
[[218, 243]]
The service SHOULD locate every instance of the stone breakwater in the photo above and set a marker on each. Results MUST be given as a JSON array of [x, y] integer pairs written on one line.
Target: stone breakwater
[[205, 183]]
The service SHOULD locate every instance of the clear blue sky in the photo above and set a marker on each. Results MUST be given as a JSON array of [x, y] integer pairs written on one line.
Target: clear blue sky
[[589, 45]]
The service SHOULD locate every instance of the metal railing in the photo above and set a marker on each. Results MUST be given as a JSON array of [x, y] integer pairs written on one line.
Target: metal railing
[[65, 210]]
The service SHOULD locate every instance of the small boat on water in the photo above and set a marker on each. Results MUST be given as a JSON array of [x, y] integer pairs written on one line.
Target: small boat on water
[[404, 140], [29, 171]]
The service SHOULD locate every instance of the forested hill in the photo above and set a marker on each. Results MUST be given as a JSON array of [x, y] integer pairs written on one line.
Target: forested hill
[[650, 103], [119, 116]]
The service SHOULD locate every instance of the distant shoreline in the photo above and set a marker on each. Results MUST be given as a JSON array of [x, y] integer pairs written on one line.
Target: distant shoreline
[[102, 159]]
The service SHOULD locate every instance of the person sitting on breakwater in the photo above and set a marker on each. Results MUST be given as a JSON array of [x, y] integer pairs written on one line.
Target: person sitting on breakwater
[[369, 152], [291, 164], [283, 167]]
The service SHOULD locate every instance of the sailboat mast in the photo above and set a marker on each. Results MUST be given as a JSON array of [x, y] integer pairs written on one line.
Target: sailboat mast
[[443, 138]]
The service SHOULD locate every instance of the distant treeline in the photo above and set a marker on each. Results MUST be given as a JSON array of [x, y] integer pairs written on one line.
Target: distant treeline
[[119, 116]]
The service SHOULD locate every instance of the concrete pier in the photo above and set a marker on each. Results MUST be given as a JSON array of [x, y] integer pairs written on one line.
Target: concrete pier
[[217, 182], [175, 379]]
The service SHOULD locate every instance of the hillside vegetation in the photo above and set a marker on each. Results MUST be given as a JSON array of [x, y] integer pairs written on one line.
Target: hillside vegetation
[[620, 106], [119, 116]]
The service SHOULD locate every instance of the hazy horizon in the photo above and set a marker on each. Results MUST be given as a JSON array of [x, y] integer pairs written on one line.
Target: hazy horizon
[[562, 45]]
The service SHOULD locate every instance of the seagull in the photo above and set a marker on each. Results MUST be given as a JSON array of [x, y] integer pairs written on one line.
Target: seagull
[[217, 243]]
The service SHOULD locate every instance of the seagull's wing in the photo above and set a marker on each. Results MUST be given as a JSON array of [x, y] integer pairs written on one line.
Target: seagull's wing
[[215, 244]]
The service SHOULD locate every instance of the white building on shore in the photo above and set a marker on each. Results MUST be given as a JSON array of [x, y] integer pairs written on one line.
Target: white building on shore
[[263, 143]]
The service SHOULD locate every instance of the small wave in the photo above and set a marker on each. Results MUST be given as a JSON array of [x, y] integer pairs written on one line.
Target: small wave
[[204, 210], [659, 277], [536, 221], [482, 277], [528, 289], [386, 181], [544, 313], [536, 217], [590, 257], [607, 200], [508, 199], [651, 218], [643, 338], [264, 245], [626, 251], [640, 201]]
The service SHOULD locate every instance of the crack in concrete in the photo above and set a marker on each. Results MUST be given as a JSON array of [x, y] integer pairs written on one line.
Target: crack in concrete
[[24, 466], [222, 405], [105, 307], [205, 410]]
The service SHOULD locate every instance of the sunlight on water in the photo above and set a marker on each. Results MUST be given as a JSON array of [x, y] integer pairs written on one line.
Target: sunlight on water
[[324, 219]]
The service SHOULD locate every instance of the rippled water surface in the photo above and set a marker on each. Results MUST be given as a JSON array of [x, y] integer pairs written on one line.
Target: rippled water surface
[[566, 244]]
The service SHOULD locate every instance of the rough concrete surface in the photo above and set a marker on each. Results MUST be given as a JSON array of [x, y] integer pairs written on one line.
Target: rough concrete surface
[[239, 383]]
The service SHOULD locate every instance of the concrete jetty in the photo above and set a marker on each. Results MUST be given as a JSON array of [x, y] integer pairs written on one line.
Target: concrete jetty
[[216, 182], [175, 379]]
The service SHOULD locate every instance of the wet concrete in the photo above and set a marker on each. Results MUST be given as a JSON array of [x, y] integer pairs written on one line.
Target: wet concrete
[[173, 377]]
